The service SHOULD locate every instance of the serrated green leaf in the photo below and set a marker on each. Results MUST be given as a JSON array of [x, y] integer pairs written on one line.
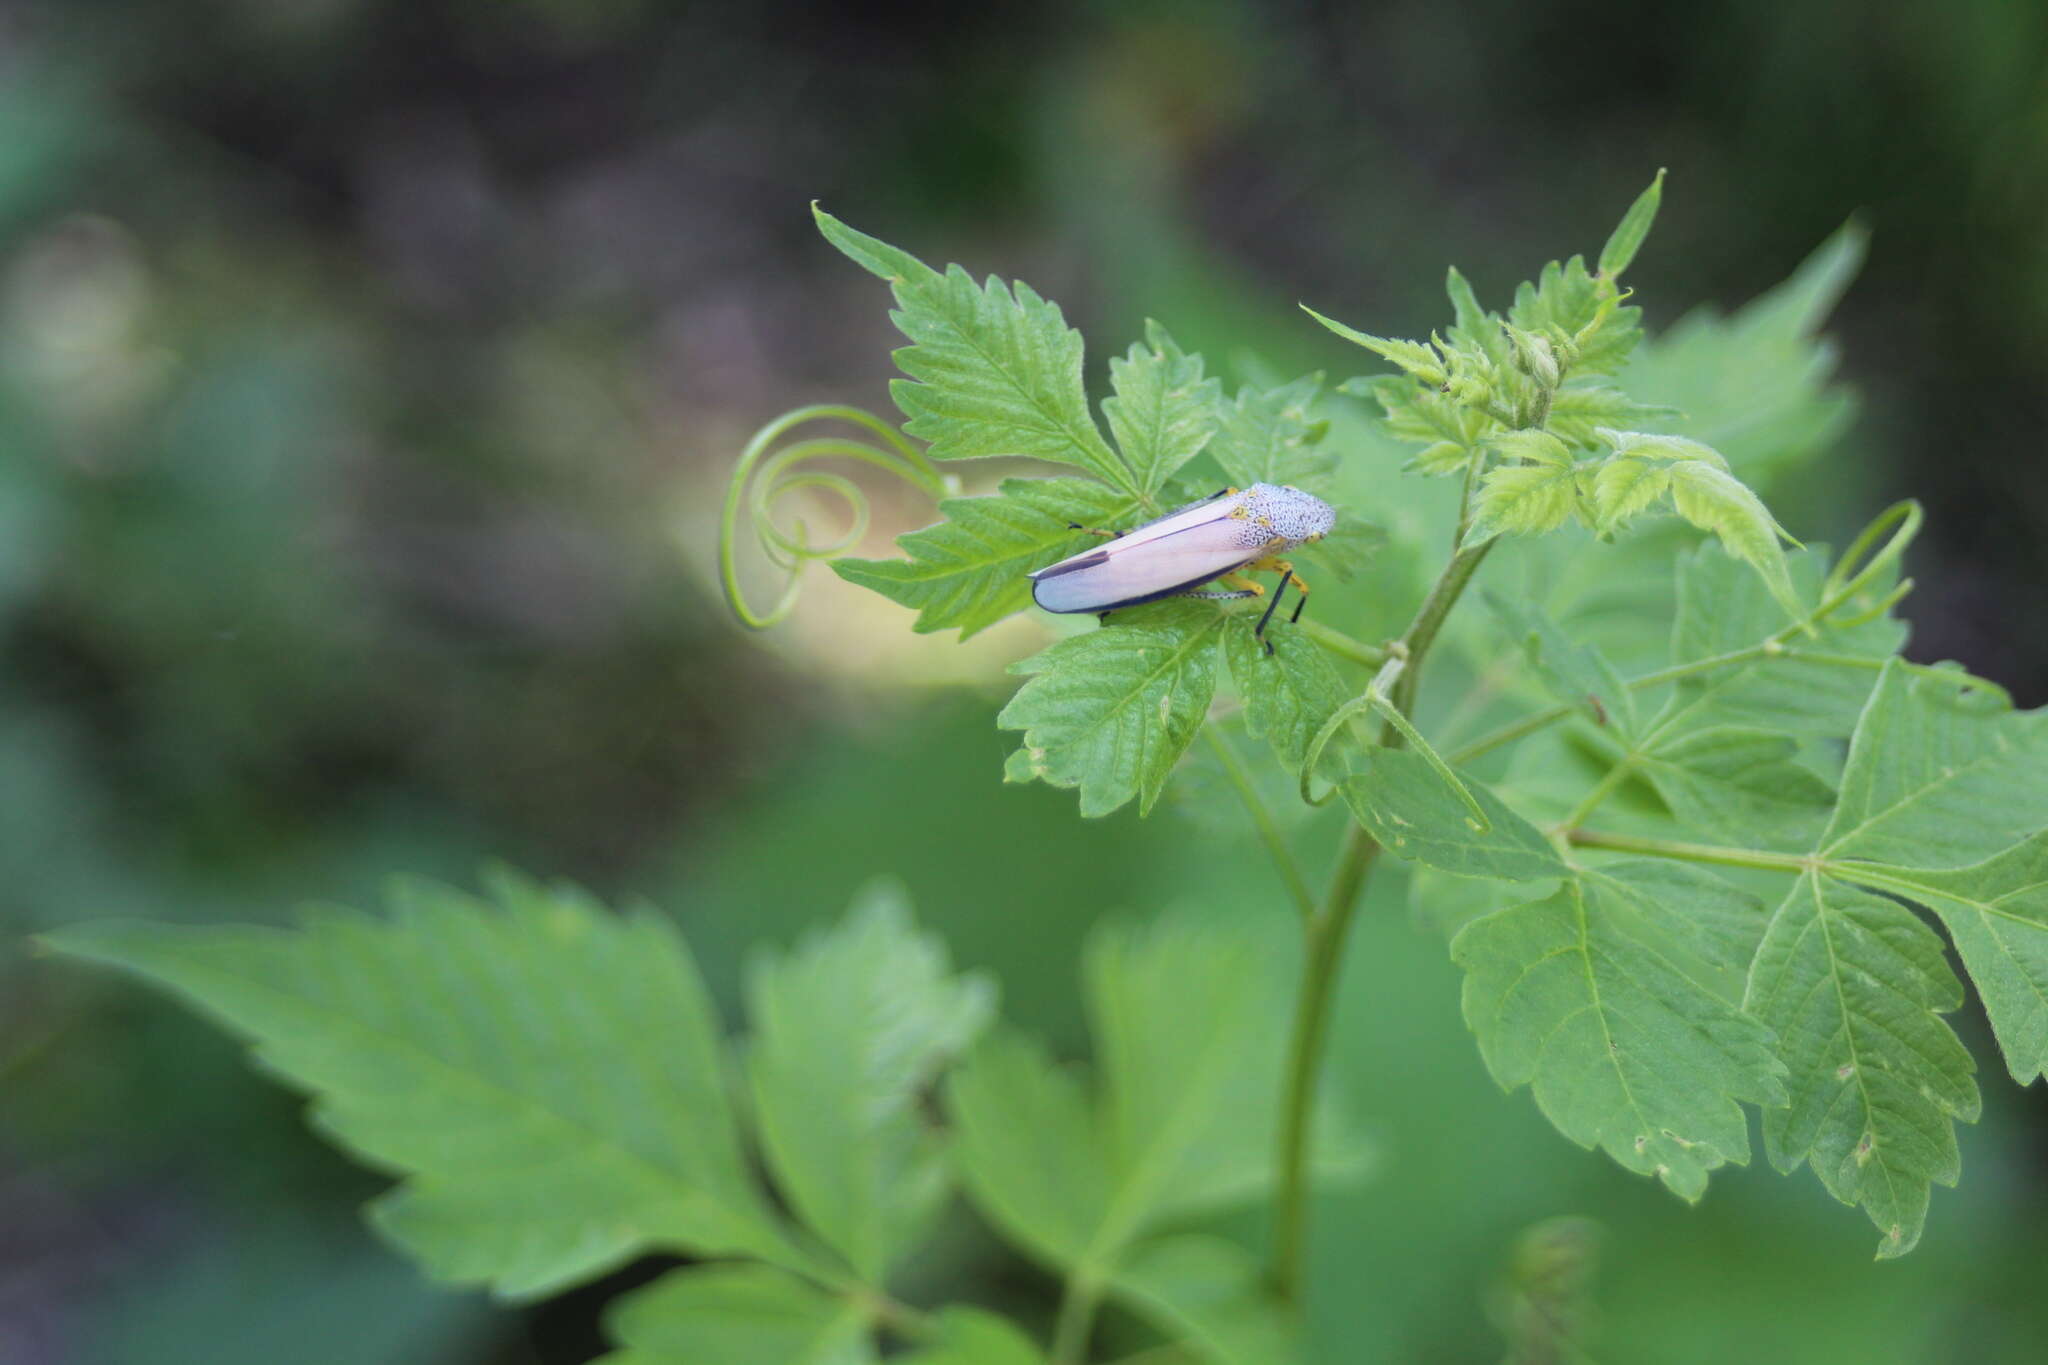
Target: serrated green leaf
[[1415, 357], [736, 1315], [973, 1336], [1289, 693], [994, 369], [1628, 235], [1476, 330], [1416, 412], [1622, 488], [1855, 985], [1525, 500], [1577, 411], [1937, 780], [1189, 1020], [1624, 1018], [1163, 411], [1112, 711], [1996, 912], [452, 1044], [1646, 445], [1740, 784], [1406, 805], [1567, 298], [1715, 500], [1208, 1293], [1026, 1146], [1534, 446], [1272, 436], [847, 1031], [1577, 675], [969, 570]]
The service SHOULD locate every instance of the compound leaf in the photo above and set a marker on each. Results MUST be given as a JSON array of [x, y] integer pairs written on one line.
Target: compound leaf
[[994, 369], [973, 1336], [969, 570], [1112, 711], [1209, 1293], [1163, 411], [1855, 985], [1996, 912], [847, 1031], [1406, 804], [1270, 436], [1623, 1014], [454, 1044], [1289, 693], [1937, 779], [736, 1315]]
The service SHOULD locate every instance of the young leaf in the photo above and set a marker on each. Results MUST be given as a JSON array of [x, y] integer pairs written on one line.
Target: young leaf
[[847, 1030], [1289, 693], [1622, 488], [971, 1336], [1525, 499], [736, 1315], [1634, 227], [1163, 412], [1532, 447], [453, 1044], [1269, 436], [1578, 411], [1569, 299], [994, 371], [969, 570], [1112, 711], [1715, 500], [1416, 412], [1406, 805], [1209, 1293], [1418, 359], [1855, 985], [1624, 1018]]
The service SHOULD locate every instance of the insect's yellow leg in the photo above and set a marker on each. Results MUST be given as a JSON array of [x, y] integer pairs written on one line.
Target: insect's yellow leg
[[1301, 587]]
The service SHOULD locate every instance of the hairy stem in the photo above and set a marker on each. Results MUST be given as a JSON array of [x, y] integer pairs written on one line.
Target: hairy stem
[[1262, 820], [1323, 949], [1342, 645]]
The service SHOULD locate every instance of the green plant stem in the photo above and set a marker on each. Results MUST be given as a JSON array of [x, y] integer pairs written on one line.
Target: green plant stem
[[1693, 853], [1323, 949], [1772, 648], [1342, 645], [1602, 789], [1269, 830], [1076, 1320]]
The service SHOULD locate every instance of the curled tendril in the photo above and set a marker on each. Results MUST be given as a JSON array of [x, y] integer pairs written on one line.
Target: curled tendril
[[765, 475], [1902, 520]]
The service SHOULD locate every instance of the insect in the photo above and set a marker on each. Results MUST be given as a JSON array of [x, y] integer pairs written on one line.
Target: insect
[[1226, 536]]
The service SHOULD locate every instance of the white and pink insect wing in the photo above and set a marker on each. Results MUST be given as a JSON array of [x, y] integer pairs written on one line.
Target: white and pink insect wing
[[1179, 551]]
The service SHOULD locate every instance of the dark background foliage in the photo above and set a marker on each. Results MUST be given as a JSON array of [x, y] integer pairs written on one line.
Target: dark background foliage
[[368, 369]]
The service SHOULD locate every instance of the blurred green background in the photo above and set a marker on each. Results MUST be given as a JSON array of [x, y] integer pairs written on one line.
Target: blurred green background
[[369, 370]]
